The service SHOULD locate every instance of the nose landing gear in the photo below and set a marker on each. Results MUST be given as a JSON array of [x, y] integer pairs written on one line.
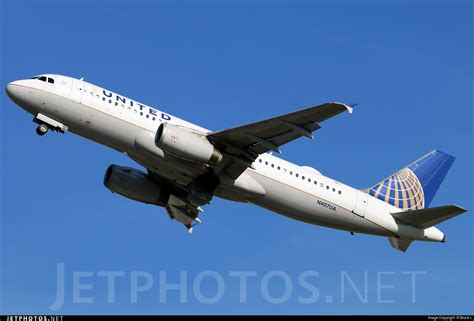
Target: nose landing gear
[[46, 124], [42, 129]]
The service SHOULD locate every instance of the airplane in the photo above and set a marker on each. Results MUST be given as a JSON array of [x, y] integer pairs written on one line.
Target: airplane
[[187, 165]]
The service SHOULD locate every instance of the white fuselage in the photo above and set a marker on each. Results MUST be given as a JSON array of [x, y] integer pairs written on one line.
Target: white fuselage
[[298, 192]]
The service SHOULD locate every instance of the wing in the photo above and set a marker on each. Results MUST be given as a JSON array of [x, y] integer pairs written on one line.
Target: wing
[[243, 144]]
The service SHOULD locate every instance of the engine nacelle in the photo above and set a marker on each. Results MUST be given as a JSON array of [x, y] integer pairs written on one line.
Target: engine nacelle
[[136, 185], [186, 144]]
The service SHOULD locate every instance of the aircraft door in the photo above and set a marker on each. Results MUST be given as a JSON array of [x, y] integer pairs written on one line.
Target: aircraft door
[[77, 90], [361, 203]]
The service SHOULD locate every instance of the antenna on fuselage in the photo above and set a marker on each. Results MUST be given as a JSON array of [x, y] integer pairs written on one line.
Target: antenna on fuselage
[[82, 78]]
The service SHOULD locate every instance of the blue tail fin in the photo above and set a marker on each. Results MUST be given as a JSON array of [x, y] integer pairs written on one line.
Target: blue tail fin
[[415, 186]]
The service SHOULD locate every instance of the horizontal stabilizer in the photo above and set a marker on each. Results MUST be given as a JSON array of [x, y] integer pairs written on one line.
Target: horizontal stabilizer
[[399, 243], [428, 217]]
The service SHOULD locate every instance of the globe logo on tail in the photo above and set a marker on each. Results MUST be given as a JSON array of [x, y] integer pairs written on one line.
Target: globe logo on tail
[[402, 190]]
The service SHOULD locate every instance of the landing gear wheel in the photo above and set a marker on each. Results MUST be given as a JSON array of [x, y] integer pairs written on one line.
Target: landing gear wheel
[[42, 129]]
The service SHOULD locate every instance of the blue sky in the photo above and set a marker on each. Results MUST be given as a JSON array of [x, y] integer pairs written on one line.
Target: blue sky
[[221, 64]]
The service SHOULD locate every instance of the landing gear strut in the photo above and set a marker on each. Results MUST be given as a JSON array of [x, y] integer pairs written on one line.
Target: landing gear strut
[[46, 124], [42, 129]]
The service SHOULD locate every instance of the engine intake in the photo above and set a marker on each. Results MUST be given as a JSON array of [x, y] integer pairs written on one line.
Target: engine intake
[[187, 144], [135, 185]]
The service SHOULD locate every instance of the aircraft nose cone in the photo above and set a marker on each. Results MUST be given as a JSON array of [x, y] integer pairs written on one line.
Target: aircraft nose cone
[[9, 89], [22, 94], [12, 90]]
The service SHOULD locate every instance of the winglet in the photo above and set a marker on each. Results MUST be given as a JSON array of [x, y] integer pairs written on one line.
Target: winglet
[[350, 107]]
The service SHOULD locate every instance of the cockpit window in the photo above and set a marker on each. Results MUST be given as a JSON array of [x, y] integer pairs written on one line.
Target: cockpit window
[[45, 79]]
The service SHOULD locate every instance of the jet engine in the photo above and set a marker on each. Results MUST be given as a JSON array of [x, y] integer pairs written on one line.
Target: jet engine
[[136, 185], [187, 144]]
